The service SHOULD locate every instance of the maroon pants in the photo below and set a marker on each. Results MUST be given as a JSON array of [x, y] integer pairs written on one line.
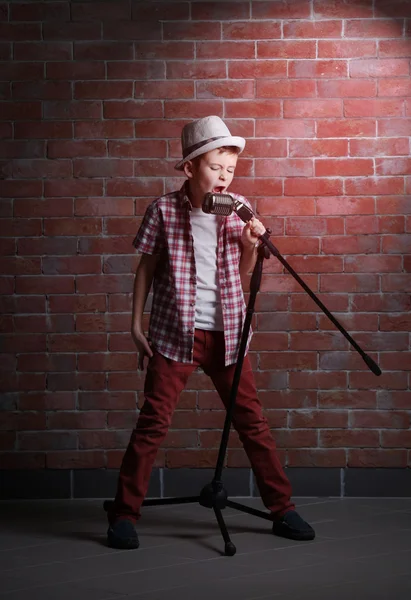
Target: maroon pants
[[165, 381]]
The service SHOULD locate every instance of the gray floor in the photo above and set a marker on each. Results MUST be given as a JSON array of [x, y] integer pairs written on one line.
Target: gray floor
[[56, 550]]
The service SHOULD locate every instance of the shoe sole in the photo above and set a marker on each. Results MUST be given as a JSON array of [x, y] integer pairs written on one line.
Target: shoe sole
[[297, 536]]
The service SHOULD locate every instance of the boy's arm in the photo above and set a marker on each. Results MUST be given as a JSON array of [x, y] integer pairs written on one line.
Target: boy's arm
[[249, 238], [142, 284]]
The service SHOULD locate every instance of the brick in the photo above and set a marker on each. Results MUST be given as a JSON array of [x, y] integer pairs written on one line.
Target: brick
[[306, 226], [16, 32], [20, 110], [346, 128], [379, 147], [98, 50], [346, 88], [104, 284], [394, 127], [303, 419], [71, 31], [286, 438], [312, 187], [44, 285], [27, 71], [107, 401], [392, 224], [396, 439], [225, 89], [394, 87], [394, 48], [349, 283], [138, 148], [395, 322], [377, 458], [103, 89], [224, 50], [387, 419], [76, 148], [92, 459], [164, 89], [372, 264], [288, 9], [312, 108], [284, 167], [247, 30], [39, 11], [129, 30], [313, 29], [23, 460], [73, 187], [104, 129], [74, 70], [20, 227], [317, 341], [73, 110], [349, 439], [300, 148], [317, 69], [331, 457], [46, 51], [359, 321], [41, 168], [333, 8], [191, 31], [326, 167], [74, 226], [88, 440], [257, 69], [47, 246], [285, 89], [220, 11], [393, 166], [390, 399], [355, 244], [77, 304], [112, 245], [347, 399], [132, 109], [172, 50], [193, 458], [381, 28], [71, 265], [286, 49], [253, 108], [395, 360], [264, 148], [20, 189], [11, 265], [285, 128], [86, 11], [263, 186], [196, 108], [374, 185], [215, 69], [288, 360], [141, 187], [347, 48], [87, 342], [43, 130], [363, 380], [104, 206], [380, 68], [102, 167]]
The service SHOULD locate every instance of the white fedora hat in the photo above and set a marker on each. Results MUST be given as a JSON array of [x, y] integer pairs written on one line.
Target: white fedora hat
[[204, 135]]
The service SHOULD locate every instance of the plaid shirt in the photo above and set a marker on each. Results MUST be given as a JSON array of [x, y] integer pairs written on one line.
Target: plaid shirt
[[166, 230]]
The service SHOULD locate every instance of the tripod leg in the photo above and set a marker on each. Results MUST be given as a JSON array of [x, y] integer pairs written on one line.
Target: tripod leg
[[230, 549]]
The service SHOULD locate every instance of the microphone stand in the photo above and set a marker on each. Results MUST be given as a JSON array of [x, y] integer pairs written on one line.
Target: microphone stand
[[213, 495]]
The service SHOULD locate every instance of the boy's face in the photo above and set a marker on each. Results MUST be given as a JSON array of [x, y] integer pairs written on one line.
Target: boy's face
[[211, 172]]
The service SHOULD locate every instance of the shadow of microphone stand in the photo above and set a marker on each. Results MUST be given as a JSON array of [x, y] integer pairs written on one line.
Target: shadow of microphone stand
[[213, 495]]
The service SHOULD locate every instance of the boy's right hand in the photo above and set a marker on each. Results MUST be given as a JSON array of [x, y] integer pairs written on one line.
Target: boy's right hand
[[143, 347]]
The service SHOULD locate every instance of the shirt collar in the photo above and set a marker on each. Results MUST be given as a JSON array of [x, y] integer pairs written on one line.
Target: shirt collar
[[183, 196]]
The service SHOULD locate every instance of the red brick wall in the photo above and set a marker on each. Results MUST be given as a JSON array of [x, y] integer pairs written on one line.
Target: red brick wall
[[93, 98]]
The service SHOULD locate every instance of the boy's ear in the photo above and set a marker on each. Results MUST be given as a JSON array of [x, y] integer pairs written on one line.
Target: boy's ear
[[188, 169]]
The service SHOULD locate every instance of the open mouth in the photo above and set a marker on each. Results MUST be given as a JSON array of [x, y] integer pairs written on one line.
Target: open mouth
[[219, 190]]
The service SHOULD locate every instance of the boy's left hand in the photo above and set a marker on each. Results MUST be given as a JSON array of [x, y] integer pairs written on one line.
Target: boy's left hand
[[251, 232]]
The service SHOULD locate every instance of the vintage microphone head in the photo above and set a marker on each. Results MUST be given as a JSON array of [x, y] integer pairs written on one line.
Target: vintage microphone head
[[218, 204]]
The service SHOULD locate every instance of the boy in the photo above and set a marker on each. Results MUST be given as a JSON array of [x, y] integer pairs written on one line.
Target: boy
[[198, 264]]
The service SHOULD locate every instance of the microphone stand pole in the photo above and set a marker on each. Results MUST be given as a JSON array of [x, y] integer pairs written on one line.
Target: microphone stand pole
[[213, 495]]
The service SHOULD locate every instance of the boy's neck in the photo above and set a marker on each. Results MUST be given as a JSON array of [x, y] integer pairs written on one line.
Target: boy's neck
[[195, 198]]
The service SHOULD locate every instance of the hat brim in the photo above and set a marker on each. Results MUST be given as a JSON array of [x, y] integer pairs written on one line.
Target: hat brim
[[236, 141]]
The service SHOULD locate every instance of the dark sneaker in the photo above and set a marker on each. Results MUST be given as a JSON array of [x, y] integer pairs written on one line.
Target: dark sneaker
[[293, 527], [122, 535]]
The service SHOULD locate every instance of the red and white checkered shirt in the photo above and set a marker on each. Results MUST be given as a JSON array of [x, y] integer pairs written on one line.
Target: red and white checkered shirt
[[166, 230]]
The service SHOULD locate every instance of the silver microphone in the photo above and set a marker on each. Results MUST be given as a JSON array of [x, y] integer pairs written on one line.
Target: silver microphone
[[224, 205]]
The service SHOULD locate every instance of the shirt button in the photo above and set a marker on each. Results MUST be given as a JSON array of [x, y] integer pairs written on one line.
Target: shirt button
[[192, 303], [190, 330]]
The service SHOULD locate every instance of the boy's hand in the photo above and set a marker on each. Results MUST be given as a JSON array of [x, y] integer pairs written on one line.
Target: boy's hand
[[143, 347], [251, 232]]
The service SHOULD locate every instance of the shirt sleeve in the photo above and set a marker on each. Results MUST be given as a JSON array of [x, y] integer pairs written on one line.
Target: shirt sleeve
[[149, 238]]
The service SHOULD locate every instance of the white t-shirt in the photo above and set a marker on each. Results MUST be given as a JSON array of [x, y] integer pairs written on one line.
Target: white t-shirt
[[205, 227]]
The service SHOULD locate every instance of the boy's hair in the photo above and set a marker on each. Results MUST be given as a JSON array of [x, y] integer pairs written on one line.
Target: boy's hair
[[228, 149]]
